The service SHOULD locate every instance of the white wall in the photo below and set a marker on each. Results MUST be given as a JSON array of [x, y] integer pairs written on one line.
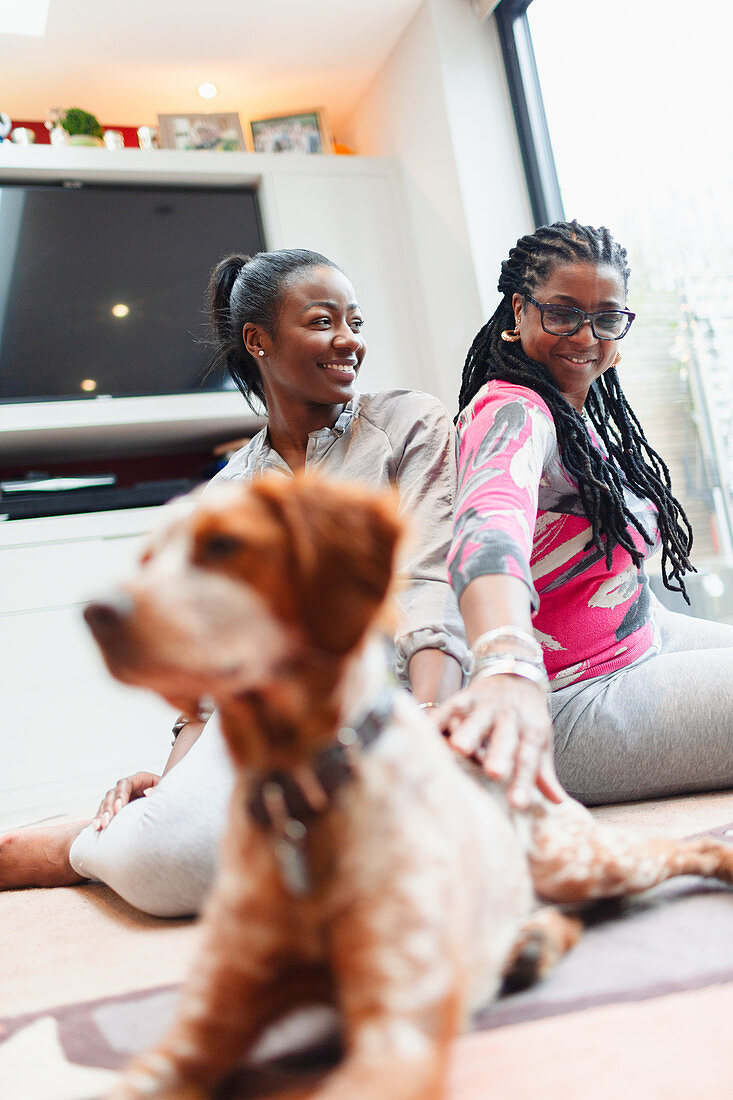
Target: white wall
[[440, 104], [488, 159]]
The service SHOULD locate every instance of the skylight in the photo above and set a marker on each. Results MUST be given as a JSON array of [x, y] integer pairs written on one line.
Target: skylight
[[24, 17]]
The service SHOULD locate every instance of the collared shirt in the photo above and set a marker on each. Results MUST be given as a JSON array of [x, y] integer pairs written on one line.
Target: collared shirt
[[405, 439]]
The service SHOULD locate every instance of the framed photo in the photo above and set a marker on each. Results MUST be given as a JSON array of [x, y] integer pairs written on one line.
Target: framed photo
[[220, 132], [302, 133]]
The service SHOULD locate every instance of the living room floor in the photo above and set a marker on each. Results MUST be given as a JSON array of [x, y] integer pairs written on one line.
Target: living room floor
[[78, 944]]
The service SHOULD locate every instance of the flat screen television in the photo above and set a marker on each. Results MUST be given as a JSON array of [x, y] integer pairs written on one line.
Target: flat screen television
[[102, 286]]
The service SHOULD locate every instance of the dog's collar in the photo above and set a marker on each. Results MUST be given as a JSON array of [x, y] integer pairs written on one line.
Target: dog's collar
[[279, 799], [286, 803]]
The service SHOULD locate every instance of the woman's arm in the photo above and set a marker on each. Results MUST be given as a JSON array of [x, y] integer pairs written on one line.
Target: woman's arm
[[434, 675], [187, 735], [503, 720], [502, 717], [431, 646]]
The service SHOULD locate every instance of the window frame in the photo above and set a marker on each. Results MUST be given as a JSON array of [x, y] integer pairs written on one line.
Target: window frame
[[530, 119]]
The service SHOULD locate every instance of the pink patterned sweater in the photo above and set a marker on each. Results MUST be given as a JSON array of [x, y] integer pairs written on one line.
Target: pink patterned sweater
[[519, 513]]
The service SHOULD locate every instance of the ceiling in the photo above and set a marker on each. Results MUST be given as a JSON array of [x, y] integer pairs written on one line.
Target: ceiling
[[127, 62]]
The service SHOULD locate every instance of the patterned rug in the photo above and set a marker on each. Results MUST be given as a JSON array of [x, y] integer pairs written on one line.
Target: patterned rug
[[676, 937]]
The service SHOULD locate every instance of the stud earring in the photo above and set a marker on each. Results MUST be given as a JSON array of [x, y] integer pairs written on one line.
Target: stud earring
[[510, 335], [260, 352]]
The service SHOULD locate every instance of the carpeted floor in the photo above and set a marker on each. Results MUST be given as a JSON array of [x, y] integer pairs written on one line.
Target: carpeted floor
[[636, 1009]]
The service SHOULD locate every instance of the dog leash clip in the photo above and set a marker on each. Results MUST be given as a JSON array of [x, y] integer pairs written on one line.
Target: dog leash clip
[[289, 841]]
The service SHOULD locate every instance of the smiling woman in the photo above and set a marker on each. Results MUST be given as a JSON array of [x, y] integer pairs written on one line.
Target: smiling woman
[[309, 362], [560, 500], [287, 326], [553, 330]]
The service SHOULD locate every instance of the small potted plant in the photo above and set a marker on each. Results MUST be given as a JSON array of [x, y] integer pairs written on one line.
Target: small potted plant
[[82, 128]]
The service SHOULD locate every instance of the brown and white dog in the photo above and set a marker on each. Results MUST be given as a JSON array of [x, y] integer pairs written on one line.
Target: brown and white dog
[[362, 863]]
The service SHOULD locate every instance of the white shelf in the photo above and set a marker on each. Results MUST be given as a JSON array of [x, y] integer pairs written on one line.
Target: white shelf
[[113, 524], [122, 425], [52, 163]]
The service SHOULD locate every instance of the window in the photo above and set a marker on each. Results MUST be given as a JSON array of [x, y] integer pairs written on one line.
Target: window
[[529, 112], [622, 112]]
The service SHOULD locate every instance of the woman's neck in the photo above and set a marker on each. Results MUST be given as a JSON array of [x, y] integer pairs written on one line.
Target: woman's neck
[[288, 433]]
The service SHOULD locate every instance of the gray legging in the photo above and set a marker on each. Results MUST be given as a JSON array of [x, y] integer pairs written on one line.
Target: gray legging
[[661, 726]]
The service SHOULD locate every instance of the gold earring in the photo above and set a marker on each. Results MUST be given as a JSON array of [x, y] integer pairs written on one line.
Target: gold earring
[[511, 335], [617, 360]]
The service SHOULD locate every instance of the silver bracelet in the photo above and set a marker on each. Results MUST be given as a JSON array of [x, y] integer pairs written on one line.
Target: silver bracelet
[[491, 659], [500, 654], [181, 721], [203, 713], [480, 647], [510, 666]]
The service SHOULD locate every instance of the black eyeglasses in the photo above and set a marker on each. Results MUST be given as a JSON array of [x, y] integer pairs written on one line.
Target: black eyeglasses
[[607, 324]]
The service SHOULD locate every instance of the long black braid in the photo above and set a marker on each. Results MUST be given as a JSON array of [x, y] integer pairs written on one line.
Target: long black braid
[[633, 460]]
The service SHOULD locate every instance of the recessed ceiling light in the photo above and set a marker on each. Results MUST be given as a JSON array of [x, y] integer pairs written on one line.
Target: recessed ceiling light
[[26, 18], [120, 310], [208, 91]]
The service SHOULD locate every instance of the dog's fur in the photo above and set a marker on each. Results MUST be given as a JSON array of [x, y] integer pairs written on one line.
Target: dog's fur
[[264, 598]]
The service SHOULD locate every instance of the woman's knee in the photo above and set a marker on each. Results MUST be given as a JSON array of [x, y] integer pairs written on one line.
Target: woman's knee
[[158, 871]]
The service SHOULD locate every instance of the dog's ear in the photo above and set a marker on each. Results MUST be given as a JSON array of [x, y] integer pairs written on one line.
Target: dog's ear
[[343, 539]]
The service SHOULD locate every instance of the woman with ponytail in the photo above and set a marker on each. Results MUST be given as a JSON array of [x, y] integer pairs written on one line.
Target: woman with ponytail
[[288, 328], [560, 500]]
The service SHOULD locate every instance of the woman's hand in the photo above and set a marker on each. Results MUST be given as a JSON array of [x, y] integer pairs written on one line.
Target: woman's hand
[[503, 723], [124, 791]]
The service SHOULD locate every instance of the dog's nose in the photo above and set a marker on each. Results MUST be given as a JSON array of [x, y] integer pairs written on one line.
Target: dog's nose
[[106, 617]]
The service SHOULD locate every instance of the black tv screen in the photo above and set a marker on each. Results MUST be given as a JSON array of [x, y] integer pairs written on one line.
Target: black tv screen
[[102, 287]]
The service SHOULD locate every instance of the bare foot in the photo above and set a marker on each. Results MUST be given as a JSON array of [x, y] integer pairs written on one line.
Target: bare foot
[[39, 856]]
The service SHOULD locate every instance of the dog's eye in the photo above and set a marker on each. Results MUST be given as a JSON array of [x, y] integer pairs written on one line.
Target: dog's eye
[[220, 546]]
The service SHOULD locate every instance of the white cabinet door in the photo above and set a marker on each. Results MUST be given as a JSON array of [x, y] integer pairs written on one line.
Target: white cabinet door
[[67, 726], [58, 575]]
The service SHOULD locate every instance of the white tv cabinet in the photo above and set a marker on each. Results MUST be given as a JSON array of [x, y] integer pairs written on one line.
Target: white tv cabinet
[[69, 730]]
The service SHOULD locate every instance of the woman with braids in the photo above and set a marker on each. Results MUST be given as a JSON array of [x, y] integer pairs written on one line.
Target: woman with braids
[[560, 500], [288, 328]]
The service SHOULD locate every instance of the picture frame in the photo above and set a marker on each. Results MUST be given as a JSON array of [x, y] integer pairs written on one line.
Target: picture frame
[[221, 132], [303, 132]]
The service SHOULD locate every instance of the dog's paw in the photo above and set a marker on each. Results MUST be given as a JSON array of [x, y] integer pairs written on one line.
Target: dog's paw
[[546, 937], [527, 967]]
